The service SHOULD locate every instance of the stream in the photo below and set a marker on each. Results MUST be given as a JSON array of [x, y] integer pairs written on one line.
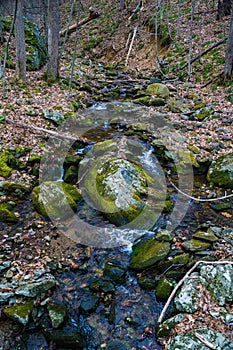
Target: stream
[[124, 313]]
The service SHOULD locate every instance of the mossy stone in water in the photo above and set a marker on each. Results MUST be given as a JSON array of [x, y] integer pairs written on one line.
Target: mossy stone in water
[[115, 272], [147, 253], [55, 198], [164, 288], [57, 314], [195, 245], [19, 313], [71, 174], [6, 214], [164, 329], [221, 171]]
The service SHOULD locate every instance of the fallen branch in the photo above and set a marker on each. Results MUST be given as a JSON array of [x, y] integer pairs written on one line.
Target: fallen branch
[[204, 341], [72, 28], [131, 45], [42, 130], [205, 52], [185, 278]]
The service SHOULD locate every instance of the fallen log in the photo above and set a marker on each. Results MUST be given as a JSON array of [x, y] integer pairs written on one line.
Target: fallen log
[[92, 15], [48, 132]]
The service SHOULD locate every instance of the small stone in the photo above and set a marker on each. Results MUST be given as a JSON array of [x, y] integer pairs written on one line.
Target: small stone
[[88, 304], [57, 314], [194, 245]]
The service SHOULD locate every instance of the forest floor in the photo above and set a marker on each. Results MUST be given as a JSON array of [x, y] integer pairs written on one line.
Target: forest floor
[[103, 55]]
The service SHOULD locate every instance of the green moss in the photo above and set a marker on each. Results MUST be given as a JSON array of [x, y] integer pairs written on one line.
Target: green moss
[[148, 253], [5, 170], [6, 215], [164, 288], [19, 313]]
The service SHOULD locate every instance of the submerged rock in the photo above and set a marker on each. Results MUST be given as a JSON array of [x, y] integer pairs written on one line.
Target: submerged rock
[[57, 314], [195, 245], [55, 198], [147, 253], [221, 171], [189, 340], [187, 298], [19, 313], [164, 288]]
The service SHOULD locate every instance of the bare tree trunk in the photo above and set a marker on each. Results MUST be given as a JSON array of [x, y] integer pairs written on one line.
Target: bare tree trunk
[[228, 69], [224, 8], [53, 39], [20, 41]]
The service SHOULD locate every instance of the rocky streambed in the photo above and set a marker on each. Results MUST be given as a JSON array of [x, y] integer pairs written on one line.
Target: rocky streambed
[[60, 293]]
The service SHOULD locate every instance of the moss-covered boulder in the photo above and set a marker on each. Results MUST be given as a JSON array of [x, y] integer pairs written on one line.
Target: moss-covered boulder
[[5, 170], [221, 171], [158, 89], [6, 215], [148, 253], [35, 44], [55, 198], [19, 313], [120, 189]]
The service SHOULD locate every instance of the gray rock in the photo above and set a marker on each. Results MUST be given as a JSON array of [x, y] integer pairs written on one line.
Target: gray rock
[[57, 314], [189, 340], [36, 288], [158, 89], [187, 298], [218, 279]]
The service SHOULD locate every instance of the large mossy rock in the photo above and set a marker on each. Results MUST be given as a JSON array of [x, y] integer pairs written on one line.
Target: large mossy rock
[[55, 198], [35, 44], [158, 89], [118, 188], [6, 214], [148, 253], [190, 340], [221, 171]]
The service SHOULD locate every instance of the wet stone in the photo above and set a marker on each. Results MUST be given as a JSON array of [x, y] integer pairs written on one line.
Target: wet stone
[[195, 245], [114, 271], [164, 329], [206, 236], [88, 304], [57, 314], [164, 288], [19, 313], [147, 253], [102, 285]]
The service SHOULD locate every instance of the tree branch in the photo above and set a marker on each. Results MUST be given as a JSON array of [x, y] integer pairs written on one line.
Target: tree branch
[[205, 52], [72, 28]]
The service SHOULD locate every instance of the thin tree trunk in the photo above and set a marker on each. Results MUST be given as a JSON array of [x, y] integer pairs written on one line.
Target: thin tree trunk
[[20, 41], [228, 69], [53, 39]]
